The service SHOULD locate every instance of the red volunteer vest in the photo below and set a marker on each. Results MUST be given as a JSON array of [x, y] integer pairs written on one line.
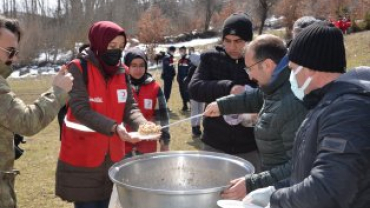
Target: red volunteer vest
[[147, 100], [82, 146]]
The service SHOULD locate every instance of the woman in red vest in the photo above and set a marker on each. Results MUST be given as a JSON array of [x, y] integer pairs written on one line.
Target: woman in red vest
[[150, 98], [92, 138]]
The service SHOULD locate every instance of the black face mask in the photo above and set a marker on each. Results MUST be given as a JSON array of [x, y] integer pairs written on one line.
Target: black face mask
[[112, 57]]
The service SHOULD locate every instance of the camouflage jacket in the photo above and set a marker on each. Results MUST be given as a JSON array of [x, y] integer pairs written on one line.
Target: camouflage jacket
[[17, 117]]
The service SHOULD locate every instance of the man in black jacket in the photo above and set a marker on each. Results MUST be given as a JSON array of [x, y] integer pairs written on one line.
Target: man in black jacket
[[221, 72], [331, 155]]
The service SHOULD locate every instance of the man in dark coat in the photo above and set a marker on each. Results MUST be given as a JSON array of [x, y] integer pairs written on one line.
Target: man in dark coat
[[331, 155], [221, 72], [168, 72]]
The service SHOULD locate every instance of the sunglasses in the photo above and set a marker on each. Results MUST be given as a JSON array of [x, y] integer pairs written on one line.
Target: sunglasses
[[11, 52]]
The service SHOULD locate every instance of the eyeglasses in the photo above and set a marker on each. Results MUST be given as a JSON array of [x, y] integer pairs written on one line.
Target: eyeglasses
[[11, 52], [248, 68]]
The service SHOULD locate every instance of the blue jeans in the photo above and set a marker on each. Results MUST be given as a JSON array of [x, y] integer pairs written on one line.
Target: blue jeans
[[93, 204]]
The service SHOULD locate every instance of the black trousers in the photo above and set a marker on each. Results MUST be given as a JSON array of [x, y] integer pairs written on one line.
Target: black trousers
[[167, 87], [183, 91]]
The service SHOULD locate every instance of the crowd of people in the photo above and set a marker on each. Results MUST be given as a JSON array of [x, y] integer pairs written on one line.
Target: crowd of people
[[292, 109]]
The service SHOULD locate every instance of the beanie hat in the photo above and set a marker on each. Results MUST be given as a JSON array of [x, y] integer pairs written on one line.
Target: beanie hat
[[319, 47], [134, 53], [238, 24]]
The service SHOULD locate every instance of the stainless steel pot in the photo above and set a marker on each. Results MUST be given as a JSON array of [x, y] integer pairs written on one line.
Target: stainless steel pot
[[176, 179]]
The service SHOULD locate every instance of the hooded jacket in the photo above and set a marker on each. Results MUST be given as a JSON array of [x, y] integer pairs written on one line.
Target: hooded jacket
[[331, 155], [216, 74], [150, 98], [17, 117], [278, 120]]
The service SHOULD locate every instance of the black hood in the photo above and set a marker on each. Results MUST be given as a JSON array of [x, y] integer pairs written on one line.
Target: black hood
[[356, 81], [134, 53], [359, 76]]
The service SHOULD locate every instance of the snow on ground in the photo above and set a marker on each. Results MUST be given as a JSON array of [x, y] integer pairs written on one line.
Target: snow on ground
[[192, 43]]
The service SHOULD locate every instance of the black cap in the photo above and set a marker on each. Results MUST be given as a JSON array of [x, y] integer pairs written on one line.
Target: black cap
[[238, 24], [134, 53], [319, 47]]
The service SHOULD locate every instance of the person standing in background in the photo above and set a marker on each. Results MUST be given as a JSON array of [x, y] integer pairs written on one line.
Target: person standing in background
[[195, 106], [182, 71], [150, 98], [168, 72]]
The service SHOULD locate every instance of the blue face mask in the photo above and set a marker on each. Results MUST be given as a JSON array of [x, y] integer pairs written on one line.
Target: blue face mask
[[298, 91]]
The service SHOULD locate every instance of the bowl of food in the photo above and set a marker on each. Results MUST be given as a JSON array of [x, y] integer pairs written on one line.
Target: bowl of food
[[176, 179]]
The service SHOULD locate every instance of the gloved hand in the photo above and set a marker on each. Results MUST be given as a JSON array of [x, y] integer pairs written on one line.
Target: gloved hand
[[17, 140], [260, 197]]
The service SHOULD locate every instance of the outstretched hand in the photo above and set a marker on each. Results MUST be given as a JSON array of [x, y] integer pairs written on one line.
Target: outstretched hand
[[123, 135]]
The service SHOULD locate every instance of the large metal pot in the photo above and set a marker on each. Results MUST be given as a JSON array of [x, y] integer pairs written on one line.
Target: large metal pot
[[176, 179]]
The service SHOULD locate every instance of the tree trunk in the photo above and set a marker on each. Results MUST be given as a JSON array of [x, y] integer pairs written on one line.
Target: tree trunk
[[264, 9], [14, 9], [208, 16]]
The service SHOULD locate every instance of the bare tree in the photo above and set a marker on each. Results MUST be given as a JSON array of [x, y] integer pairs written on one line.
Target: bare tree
[[209, 7], [263, 8], [227, 9], [152, 31]]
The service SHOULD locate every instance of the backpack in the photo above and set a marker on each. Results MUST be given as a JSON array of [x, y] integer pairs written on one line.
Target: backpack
[[63, 111]]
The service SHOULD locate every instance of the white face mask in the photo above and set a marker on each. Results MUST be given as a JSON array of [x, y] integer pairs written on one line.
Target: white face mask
[[298, 91]]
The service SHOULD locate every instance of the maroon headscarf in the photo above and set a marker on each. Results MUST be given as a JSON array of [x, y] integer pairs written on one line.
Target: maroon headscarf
[[100, 34]]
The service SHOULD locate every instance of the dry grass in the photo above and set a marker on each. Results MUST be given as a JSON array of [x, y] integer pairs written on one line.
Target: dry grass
[[358, 49], [35, 185]]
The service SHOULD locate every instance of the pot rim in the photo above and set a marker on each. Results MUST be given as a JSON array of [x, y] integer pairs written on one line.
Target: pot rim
[[115, 168]]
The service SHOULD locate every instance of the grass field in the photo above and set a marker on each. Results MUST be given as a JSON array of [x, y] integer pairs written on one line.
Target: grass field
[[35, 184]]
